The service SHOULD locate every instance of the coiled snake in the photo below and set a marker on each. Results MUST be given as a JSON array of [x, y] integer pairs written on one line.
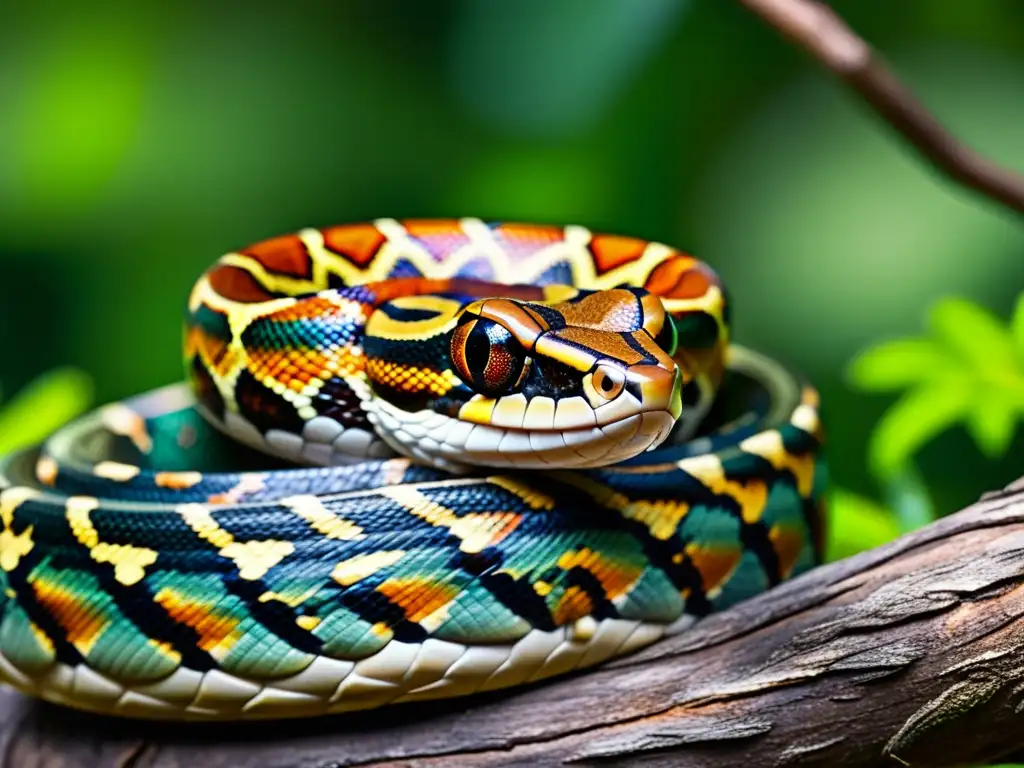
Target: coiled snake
[[418, 459]]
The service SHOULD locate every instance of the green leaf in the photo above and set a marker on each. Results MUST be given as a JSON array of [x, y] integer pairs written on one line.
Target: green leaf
[[856, 523], [899, 363], [992, 419], [42, 406], [1017, 324], [916, 418], [974, 333]]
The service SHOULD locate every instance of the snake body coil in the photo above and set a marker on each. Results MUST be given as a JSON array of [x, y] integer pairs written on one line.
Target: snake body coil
[[418, 459]]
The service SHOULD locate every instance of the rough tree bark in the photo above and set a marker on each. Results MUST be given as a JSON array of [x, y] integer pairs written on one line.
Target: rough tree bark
[[912, 653]]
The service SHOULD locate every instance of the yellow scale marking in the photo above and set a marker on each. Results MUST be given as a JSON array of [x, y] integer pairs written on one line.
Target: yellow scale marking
[[382, 326], [292, 600], [357, 568], [130, 562], [42, 638], [751, 496], [478, 409], [322, 520], [217, 634], [116, 471], [661, 518], [177, 480], [769, 446], [409, 378], [47, 470], [14, 546], [252, 558], [530, 496], [476, 530]]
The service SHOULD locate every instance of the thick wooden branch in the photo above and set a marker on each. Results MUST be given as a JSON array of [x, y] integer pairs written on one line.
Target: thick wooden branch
[[818, 29], [911, 653]]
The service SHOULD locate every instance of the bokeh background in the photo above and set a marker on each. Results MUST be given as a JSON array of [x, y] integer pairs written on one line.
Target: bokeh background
[[138, 142]]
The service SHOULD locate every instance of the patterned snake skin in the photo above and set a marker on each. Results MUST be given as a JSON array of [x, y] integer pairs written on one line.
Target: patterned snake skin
[[417, 460]]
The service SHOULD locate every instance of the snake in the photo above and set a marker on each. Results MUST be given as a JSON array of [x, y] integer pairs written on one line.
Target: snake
[[410, 460]]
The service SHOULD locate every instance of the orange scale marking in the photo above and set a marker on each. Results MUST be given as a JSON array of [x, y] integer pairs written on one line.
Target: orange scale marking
[[82, 623], [440, 237], [286, 366], [788, 542], [309, 308], [714, 565], [285, 255], [213, 351], [611, 251], [616, 577], [236, 284], [358, 243], [418, 598], [683, 277], [572, 605], [216, 632], [529, 233]]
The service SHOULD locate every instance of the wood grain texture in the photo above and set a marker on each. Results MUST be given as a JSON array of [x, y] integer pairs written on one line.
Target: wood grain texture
[[912, 652]]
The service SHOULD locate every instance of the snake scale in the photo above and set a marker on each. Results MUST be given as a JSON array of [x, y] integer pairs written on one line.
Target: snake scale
[[416, 459]]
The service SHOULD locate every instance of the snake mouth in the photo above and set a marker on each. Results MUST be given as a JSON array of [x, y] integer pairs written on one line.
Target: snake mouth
[[544, 414], [582, 447], [455, 444]]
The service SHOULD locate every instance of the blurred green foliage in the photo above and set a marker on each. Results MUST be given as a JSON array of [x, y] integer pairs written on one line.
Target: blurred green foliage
[[139, 142], [38, 409], [969, 369], [856, 523]]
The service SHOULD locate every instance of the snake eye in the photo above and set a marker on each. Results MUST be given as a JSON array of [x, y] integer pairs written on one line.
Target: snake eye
[[487, 356], [604, 384], [668, 336]]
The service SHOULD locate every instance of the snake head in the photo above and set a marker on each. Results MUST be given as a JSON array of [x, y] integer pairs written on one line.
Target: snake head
[[584, 382]]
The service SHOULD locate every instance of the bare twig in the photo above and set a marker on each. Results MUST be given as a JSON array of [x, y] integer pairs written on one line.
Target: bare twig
[[816, 28]]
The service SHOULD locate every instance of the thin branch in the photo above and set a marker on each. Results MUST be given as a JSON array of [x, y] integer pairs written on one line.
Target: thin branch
[[816, 28]]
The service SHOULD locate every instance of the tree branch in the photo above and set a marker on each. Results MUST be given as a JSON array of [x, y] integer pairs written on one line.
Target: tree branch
[[817, 29], [913, 653]]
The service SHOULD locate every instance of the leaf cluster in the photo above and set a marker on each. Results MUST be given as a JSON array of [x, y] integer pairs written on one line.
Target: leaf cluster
[[42, 406], [968, 369]]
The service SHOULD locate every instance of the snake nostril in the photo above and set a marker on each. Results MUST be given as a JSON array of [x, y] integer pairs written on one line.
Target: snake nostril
[[657, 388]]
